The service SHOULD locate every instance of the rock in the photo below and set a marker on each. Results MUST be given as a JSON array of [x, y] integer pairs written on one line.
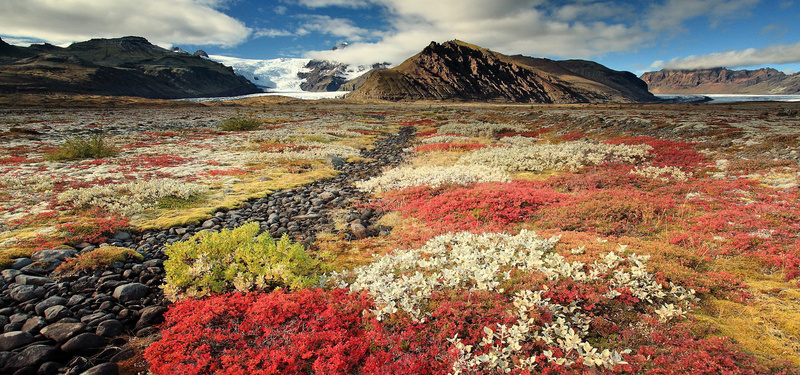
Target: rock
[[110, 328], [153, 263], [130, 292], [334, 161], [60, 254], [49, 368], [84, 343], [16, 339], [20, 263], [61, 332], [33, 280], [49, 302], [22, 293], [109, 368], [122, 235], [359, 231], [209, 224], [34, 324], [326, 196], [41, 267], [27, 370], [56, 313], [151, 316], [11, 274], [32, 356]]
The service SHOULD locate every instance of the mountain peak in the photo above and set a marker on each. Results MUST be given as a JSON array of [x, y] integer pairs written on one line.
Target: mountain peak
[[456, 70], [764, 81]]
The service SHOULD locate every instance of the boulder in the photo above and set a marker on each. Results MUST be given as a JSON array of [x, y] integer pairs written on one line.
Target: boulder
[[33, 280], [56, 313], [22, 293], [61, 332], [60, 254], [16, 339], [109, 368], [151, 316], [84, 343], [49, 302], [33, 355], [130, 292], [110, 328]]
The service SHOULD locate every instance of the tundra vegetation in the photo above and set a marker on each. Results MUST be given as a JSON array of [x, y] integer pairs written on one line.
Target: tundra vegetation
[[650, 239]]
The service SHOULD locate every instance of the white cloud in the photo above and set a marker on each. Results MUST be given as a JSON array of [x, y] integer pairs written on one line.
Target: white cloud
[[334, 26], [671, 15], [531, 27], [338, 3], [280, 9], [272, 33], [163, 22], [775, 54]]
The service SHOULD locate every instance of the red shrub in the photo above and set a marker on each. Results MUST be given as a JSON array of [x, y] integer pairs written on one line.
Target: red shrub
[[667, 153], [483, 207], [609, 212], [310, 331]]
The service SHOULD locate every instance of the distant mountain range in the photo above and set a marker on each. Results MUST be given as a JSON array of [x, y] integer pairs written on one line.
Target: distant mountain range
[[460, 71], [766, 81], [123, 66]]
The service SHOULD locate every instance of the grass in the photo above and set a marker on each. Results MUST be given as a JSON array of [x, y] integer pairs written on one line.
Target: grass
[[240, 123], [78, 147], [99, 258]]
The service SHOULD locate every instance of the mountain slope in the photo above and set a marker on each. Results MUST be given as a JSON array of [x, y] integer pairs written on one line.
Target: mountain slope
[[766, 81], [456, 70], [123, 66]]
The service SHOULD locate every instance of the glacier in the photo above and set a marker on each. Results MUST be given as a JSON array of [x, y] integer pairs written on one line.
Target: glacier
[[272, 75]]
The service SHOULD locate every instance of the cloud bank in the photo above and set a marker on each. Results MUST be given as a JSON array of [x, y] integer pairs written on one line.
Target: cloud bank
[[163, 22], [564, 29], [776, 54]]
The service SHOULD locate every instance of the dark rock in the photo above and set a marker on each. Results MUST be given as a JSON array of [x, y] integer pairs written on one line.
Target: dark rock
[[34, 324], [123, 355], [49, 302], [22, 293], [32, 356], [60, 254], [33, 280], [110, 328], [27, 370], [41, 267], [122, 235], [49, 368], [84, 343], [151, 316], [19, 263], [12, 340], [55, 313], [109, 368], [10, 274], [359, 231], [61, 332], [153, 263], [130, 292]]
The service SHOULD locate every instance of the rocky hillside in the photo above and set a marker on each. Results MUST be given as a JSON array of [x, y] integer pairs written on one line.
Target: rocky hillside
[[766, 81], [128, 66], [463, 72]]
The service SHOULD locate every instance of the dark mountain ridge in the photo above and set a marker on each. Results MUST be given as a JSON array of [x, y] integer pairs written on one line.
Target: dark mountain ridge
[[460, 71], [765, 81], [129, 66]]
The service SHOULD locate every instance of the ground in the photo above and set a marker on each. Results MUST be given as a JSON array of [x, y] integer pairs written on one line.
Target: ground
[[708, 192]]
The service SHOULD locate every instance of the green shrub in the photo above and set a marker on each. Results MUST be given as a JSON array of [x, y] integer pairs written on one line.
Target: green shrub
[[240, 123], [239, 259], [77, 147], [100, 257]]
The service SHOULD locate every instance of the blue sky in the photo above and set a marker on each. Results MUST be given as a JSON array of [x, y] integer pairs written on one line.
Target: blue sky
[[625, 35]]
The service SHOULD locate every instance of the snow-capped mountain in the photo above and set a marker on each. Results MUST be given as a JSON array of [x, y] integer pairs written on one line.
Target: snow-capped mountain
[[273, 75], [284, 75]]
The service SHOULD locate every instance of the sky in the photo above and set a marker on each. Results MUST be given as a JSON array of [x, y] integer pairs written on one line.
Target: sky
[[636, 36]]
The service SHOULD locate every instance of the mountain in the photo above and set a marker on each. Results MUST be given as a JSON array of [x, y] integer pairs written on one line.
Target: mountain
[[460, 71], [766, 81], [128, 66]]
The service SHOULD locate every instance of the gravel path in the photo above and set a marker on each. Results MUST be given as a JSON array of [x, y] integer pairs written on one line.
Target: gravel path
[[81, 325]]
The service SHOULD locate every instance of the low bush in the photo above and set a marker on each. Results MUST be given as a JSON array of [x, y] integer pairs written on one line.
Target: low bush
[[99, 258], [240, 123], [78, 147], [239, 259]]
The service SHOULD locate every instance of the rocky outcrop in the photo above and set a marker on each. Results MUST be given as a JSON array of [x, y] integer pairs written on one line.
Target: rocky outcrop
[[766, 81], [459, 71], [128, 66]]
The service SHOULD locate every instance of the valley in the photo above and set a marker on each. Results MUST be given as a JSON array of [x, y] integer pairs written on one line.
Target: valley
[[609, 238]]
